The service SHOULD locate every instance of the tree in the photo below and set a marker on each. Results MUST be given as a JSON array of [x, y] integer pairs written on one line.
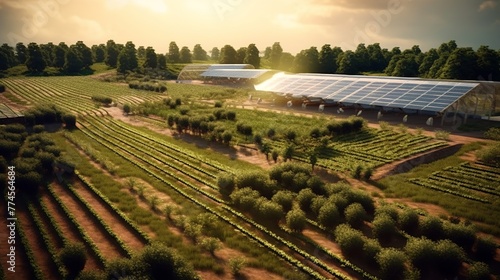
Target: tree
[[376, 57], [210, 244], [275, 56], [157, 261], [69, 120], [252, 56], [241, 54], [328, 215], [327, 60], [488, 64], [59, 56], [35, 61], [228, 55], [349, 239], [73, 257], [173, 53], [199, 53], [403, 66], [161, 61], [355, 214], [307, 61], [47, 50], [21, 53], [429, 58], [185, 55], [150, 58], [111, 57], [127, 59], [461, 64], [85, 54], [215, 54], [141, 52], [392, 263], [347, 63], [99, 53], [286, 62], [72, 61], [284, 198], [296, 220], [363, 58], [10, 57]]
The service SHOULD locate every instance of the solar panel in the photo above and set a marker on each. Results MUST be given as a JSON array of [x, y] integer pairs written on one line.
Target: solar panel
[[408, 93]]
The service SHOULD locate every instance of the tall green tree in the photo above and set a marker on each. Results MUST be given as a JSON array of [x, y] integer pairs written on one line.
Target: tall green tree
[[347, 63], [174, 55], [461, 64], [10, 59], [72, 60], [111, 58], [363, 58], [127, 59], [151, 60], [199, 53], [227, 55], [99, 52], [488, 64], [267, 52], [275, 56], [85, 54], [327, 60], [59, 56], [286, 62], [47, 51], [185, 55], [162, 61], [252, 56], [35, 61], [376, 58], [307, 61], [241, 54], [429, 58], [141, 52], [21, 53], [215, 53]]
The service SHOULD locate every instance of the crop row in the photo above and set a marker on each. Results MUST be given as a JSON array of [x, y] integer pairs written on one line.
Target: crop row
[[46, 239], [265, 243], [144, 237], [124, 248], [464, 183], [433, 185], [34, 267], [74, 221]]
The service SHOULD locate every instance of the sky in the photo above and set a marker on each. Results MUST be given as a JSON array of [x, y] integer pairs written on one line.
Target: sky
[[296, 24]]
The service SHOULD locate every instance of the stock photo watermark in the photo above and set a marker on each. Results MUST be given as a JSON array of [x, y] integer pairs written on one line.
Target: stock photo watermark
[[11, 218], [222, 7], [41, 12]]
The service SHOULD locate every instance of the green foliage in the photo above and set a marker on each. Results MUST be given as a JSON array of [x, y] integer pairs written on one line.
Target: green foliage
[[73, 257], [284, 198], [449, 257], [408, 220], [269, 210], [328, 215], [461, 234], [490, 155], [126, 108], [304, 199], [357, 172], [392, 263], [236, 264], [2, 87], [442, 134], [355, 214], [245, 198], [421, 252], [157, 261], [296, 220], [485, 249], [102, 99], [211, 244], [350, 240], [384, 227], [432, 227], [226, 183], [478, 271], [371, 248], [69, 120], [492, 133]]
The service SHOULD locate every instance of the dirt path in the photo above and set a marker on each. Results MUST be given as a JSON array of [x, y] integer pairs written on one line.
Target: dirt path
[[71, 234], [110, 218], [101, 238], [22, 265], [37, 245]]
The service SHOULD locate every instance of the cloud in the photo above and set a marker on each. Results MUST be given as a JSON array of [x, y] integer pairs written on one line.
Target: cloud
[[360, 4], [87, 27], [489, 4], [155, 6]]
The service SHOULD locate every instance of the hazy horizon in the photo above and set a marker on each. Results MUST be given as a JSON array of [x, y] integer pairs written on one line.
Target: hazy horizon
[[295, 24]]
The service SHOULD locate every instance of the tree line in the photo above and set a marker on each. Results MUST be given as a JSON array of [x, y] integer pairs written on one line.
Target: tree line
[[448, 61]]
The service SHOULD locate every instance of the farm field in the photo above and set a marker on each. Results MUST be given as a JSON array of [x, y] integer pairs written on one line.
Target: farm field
[[179, 171]]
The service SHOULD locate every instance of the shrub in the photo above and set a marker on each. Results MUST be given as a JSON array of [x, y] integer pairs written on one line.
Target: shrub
[[304, 199], [126, 108], [288, 152], [371, 248], [2, 87], [442, 134], [485, 249], [490, 155], [231, 115], [271, 133], [355, 214], [296, 220], [464, 236], [121, 267], [290, 135], [328, 215], [478, 271], [210, 244], [284, 198], [39, 128], [218, 104], [431, 227], [274, 155], [73, 258], [316, 204], [245, 198], [236, 264], [69, 120], [160, 262], [102, 99], [269, 210], [493, 133], [384, 227], [226, 183], [357, 172], [421, 252], [408, 220], [350, 240], [449, 257], [392, 263], [384, 125]]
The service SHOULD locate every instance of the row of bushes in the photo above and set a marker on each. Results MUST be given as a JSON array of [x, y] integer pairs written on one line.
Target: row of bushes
[[102, 99], [47, 114], [157, 87]]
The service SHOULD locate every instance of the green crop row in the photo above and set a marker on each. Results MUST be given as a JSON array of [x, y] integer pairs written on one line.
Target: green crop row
[[46, 239], [53, 222], [145, 238], [34, 267], [426, 184]]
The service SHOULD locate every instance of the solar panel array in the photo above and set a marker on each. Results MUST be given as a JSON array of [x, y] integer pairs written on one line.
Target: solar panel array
[[402, 93], [235, 73]]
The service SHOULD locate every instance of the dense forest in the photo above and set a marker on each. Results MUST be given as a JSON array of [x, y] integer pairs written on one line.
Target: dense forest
[[448, 61]]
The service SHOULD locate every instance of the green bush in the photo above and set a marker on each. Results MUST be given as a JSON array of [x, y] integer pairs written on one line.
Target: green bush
[[245, 198], [126, 108], [490, 155], [304, 199], [296, 220], [392, 263], [389, 210], [269, 210], [69, 120], [226, 183], [384, 227], [421, 252], [73, 258], [478, 271], [355, 214], [210, 244], [316, 204], [371, 248], [284, 198], [350, 240], [236, 264], [328, 215], [160, 262], [464, 236], [493, 133], [432, 227], [39, 128], [356, 173], [408, 220], [449, 257]]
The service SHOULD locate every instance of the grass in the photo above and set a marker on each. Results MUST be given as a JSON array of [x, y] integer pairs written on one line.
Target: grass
[[398, 186]]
